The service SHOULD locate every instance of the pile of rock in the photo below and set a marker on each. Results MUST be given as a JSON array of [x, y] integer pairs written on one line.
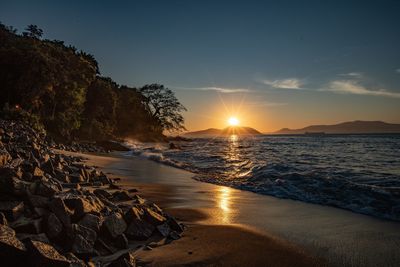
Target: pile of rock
[[79, 147], [56, 211]]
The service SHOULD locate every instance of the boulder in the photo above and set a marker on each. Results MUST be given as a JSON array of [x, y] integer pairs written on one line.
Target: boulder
[[114, 225], [11, 184], [45, 255], [164, 229], [102, 193], [133, 213], [38, 237], [125, 260], [47, 188], [27, 225], [4, 157], [121, 196], [91, 221], [153, 217], [54, 226], [83, 239], [3, 219], [75, 261], [139, 230], [37, 173], [63, 213], [76, 178], [84, 204], [12, 209], [37, 201], [12, 251]]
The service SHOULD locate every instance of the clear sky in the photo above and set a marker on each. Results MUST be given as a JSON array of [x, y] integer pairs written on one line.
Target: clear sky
[[273, 64]]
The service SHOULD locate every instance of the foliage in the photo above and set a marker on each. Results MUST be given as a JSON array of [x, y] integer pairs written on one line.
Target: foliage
[[61, 87], [164, 106]]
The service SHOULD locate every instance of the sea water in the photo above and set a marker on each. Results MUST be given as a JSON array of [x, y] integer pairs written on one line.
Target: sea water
[[356, 172]]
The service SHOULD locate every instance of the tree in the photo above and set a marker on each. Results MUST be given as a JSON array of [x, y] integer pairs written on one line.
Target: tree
[[164, 107], [33, 31]]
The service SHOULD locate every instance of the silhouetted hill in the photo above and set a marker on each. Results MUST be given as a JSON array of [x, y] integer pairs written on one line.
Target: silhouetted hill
[[223, 132], [347, 127]]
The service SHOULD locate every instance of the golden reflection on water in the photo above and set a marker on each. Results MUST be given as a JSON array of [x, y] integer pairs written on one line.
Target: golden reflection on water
[[224, 196]]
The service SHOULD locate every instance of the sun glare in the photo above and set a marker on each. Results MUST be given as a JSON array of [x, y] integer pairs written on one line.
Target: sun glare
[[232, 121]]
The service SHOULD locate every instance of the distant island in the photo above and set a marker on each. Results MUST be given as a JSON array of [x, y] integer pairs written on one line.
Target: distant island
[[351, 127], [238, 130]]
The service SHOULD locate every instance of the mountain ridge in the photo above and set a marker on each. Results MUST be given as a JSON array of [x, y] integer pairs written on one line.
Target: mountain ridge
[[231, 130], [357, 126]]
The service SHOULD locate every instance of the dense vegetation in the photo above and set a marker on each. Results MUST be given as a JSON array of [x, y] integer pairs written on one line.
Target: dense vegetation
[[57, 87]]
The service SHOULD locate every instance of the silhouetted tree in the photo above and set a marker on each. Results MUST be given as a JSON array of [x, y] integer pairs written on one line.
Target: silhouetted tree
[[164, 106], [33, 31]]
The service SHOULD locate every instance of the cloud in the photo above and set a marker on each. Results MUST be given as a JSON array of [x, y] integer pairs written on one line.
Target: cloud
[[266, 104], [397, 70], [291, 83], [352, 87], [352, 74], [225, 90]]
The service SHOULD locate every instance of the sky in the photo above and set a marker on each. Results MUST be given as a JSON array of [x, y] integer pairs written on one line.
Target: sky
[[272, 64]]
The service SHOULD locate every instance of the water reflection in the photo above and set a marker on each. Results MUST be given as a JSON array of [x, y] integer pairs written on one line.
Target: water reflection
[[224, 201]]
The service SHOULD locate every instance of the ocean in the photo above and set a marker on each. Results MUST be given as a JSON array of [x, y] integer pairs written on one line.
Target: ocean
[[355, 172]]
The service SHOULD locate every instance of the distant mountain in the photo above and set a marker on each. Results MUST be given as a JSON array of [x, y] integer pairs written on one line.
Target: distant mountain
[[224, 132], [346, 128]]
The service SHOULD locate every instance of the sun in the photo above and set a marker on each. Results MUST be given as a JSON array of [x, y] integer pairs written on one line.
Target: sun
[[233, 121]]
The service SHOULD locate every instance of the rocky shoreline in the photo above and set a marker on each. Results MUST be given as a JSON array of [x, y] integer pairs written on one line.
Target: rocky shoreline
[[57, 211]]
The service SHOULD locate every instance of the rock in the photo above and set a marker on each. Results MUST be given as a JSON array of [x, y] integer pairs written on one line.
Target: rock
[[138, 200], [11, 184], [12, 251], [47, 189], [4, 157], [91, 221], [83, 205], [125, 260], [12, 209], [76, 178], [42, 254], [3, 219], [62, 212], [75, 261], [37, 173], [121, 242], [54, 226], [133, 213], [121, 196], [174, 235], [175, 225], [102, 193], [39, 237], [153, 217], [27, 225], [114, 225], [38, 201], [84, 239], [132, 190], [139, 230], [164, 229]]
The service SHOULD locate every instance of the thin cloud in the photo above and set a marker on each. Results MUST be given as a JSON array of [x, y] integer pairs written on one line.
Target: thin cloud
[[266, 104], [291, 83], [223, 90], [352, 74], [352, 87], [398, 70]]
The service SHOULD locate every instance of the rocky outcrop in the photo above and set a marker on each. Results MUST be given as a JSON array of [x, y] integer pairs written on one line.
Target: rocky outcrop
[[57, 211]]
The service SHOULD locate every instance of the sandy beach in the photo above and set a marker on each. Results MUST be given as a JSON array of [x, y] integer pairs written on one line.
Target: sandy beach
[[229, 227]]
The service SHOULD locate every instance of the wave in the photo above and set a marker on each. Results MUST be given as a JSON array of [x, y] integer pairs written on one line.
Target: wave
[[287, 170]]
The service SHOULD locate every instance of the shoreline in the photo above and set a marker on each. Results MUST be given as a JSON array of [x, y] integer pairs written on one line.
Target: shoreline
[[341, 237]]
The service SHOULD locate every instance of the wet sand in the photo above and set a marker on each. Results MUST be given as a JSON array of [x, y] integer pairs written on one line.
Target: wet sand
[[233, 227]]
